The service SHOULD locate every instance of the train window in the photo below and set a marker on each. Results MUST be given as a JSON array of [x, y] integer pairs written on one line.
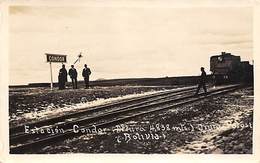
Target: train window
[[220, 59], [225, 77]]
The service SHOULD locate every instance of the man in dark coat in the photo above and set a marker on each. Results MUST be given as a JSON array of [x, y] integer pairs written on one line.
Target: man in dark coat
[[62, 77], [73, 75], [202, 81], [85, 73]]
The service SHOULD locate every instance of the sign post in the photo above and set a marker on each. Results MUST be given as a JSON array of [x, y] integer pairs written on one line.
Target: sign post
[[55, 58], [51, 77]]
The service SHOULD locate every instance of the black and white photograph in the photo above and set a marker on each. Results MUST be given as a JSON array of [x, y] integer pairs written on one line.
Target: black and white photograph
[[142, 78]]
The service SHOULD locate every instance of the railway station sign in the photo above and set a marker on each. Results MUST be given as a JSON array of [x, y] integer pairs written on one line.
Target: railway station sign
[[56, 58]]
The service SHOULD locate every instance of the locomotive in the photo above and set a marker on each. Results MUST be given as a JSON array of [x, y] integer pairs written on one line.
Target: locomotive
[[227, 68]]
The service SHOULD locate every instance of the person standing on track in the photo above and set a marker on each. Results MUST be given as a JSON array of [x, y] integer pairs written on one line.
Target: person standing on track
[[73, 75], [202, 81], [85, 73]]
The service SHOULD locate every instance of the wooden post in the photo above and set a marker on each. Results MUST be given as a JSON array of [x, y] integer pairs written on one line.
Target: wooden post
[[51, 77]]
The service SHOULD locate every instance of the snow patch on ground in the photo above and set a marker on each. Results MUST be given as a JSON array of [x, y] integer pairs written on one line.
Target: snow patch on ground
[[206, 141], [52, 111]]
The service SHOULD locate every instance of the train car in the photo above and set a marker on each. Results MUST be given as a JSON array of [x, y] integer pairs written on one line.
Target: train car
[[247, 72], [227, 68]]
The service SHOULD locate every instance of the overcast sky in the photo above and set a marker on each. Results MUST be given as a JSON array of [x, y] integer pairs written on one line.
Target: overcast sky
[[122, 42]]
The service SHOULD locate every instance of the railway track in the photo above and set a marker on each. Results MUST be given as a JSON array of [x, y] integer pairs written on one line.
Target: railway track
[[120, 103], [105, 115]]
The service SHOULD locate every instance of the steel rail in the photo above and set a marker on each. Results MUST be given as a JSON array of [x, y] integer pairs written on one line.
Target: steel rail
[[116, 119], [20, 135], [20, 128]]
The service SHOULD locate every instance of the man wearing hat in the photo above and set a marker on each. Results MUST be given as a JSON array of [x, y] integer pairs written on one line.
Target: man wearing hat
[[85, 73], [73, 75], [202, 81]]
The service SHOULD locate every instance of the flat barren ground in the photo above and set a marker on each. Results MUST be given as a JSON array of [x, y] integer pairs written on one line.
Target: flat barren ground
[[30, 104], [221, 124]]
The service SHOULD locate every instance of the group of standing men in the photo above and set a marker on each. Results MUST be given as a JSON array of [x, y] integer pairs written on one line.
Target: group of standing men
[[73, 75]]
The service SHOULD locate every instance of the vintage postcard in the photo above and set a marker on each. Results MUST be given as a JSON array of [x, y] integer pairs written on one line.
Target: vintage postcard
[[130, 77]]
